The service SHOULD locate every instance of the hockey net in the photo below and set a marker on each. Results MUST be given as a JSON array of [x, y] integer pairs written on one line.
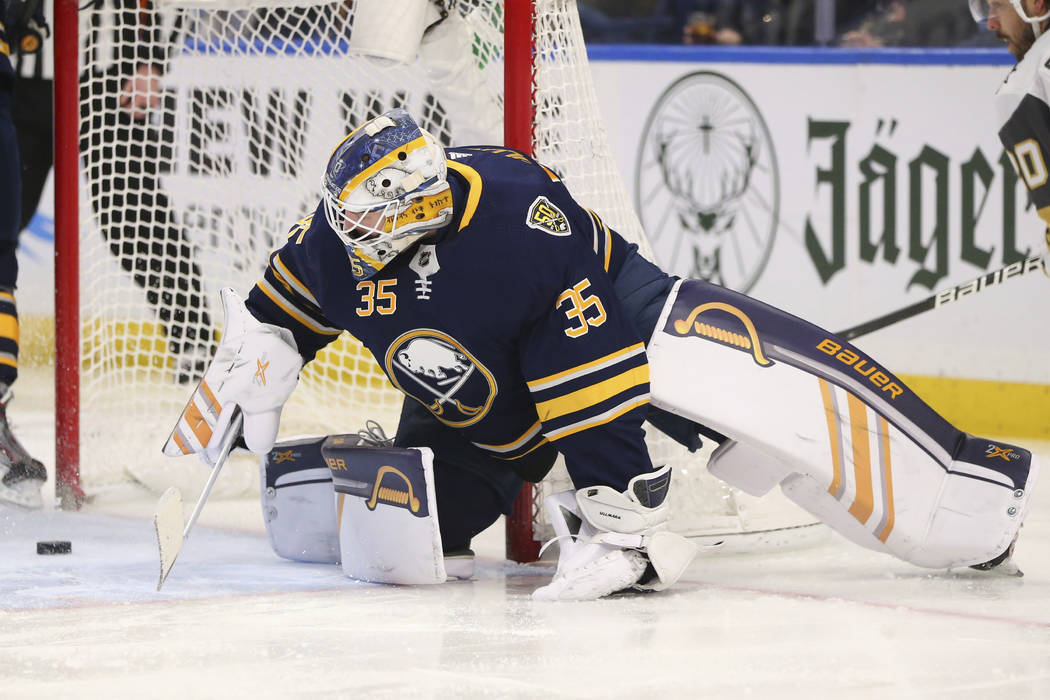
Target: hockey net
[[253, 96]]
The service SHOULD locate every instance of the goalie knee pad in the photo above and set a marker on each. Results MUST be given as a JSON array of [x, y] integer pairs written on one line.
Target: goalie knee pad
[[329, 499], [845, 438], [387, 512], [298, 502]]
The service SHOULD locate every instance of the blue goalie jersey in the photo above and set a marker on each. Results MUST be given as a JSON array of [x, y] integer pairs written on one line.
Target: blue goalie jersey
[[504, 324]]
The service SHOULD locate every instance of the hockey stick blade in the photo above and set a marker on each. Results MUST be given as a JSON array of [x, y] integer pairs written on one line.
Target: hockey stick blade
[[949, 295], [167, 519]]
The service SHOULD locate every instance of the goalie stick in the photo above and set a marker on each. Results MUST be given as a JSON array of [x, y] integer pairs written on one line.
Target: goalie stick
[[167, 520], [949, 295]]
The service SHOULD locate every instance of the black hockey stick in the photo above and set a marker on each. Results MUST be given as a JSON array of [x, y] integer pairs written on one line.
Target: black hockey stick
[[947, 296]]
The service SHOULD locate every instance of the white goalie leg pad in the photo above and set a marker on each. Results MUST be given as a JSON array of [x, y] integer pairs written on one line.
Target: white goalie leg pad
[[387, 512], [882, 467], [298, 501], [609, 539]]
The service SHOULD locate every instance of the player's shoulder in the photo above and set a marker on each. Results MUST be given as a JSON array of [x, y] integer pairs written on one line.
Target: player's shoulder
[[1030, 71], [499, 170], [510, 193], [310, 243]]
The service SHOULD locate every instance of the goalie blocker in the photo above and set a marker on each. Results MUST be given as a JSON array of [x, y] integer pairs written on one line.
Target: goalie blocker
[[845, 438]]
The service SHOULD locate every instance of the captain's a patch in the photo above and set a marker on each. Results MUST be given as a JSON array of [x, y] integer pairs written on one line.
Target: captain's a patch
[[544, 216]]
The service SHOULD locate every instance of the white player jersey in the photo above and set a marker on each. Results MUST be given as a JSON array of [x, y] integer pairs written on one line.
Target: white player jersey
[[1023, 107]]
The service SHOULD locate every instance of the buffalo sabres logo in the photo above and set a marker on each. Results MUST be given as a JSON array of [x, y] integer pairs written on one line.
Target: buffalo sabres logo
[[437, 371], [546, 217]]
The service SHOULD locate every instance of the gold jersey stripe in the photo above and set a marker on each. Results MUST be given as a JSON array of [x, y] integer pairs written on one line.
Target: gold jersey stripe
[[9, 327], [7, 296], [514, 444], [597, 224], [594, 231], [593, 394], [586, 368], [294, 312], [473, 178], [285, 275], [608, 246], [608, 416], [532, 449]]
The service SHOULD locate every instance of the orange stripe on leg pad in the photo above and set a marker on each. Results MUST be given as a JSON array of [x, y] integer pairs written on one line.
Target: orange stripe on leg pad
[[833, 437], [858, 423], [887, 472]]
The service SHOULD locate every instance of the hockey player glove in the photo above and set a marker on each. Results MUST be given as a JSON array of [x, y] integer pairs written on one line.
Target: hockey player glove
[[255, 367]]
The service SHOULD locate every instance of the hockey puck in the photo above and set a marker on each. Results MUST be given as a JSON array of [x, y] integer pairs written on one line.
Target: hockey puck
[[55, 547]]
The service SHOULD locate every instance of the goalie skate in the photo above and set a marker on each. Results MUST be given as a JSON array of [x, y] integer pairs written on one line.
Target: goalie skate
[[1002, 565], [595, 562], [21, 476]]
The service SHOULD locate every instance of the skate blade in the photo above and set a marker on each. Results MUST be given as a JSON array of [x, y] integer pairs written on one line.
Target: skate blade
[[24, 494]]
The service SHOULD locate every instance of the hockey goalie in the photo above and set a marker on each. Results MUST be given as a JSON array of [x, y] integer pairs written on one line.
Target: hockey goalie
[[520, 326]]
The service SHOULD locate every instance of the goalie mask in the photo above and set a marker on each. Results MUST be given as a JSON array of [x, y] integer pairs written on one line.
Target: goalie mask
[[384, 188]]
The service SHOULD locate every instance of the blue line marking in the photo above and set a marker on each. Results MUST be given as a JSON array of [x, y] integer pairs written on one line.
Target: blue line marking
[[800, 55]]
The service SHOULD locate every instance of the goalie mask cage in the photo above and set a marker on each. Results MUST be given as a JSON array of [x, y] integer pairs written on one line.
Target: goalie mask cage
[[240, 103]]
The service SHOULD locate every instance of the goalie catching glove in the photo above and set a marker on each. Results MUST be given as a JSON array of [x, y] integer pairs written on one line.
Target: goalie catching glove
[[255, 367], [612, 541]]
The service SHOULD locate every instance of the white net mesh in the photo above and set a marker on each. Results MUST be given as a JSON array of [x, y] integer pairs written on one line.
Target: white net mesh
[[204, 133]]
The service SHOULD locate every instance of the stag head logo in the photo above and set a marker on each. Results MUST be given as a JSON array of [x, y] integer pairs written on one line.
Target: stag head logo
[[707, 183]]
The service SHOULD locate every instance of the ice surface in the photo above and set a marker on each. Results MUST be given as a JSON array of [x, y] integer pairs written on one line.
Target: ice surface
[[233, 621]]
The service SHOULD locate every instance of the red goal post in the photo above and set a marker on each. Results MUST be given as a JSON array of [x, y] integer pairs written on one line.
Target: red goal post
[[242, 103]]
